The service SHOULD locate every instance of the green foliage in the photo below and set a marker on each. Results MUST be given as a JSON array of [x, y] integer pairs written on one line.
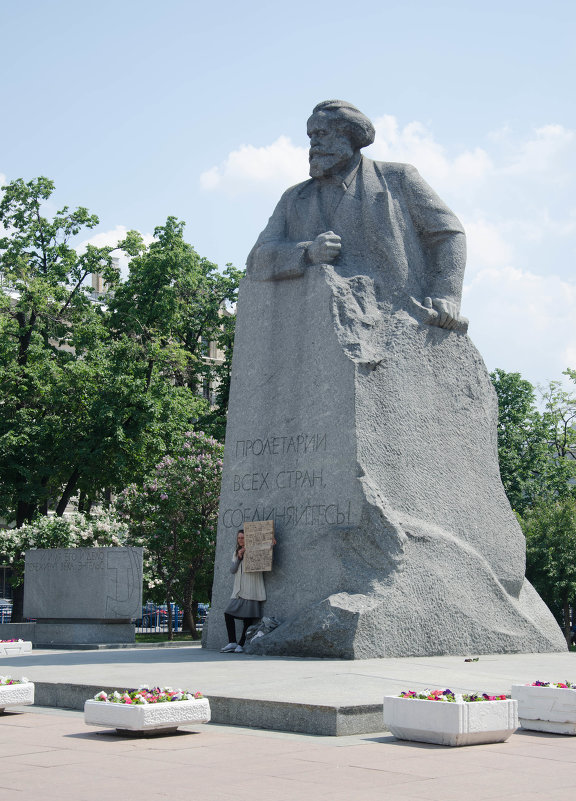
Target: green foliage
[[522, 446], [93, 394], [174, 303], [174, 516], [535, 449], [560, 419], [42, 321], [550, 529], [537, 452], [74, 531]]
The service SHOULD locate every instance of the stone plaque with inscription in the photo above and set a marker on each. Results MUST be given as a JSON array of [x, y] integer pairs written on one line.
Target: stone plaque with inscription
[[83, 583], [362, 421], [259, 542]]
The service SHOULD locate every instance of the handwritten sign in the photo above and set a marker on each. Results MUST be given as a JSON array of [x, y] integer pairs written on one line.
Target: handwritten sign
[[259, 541]]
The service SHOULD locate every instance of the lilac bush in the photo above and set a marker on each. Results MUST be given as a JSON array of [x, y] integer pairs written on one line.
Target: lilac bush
[[174, 516], [73, 531]]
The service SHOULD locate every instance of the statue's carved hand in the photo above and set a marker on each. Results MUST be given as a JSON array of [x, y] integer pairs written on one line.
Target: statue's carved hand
[[445, 314], [325, 248]]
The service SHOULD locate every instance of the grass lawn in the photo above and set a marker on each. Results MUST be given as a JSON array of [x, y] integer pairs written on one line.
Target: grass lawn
[[163, 637]]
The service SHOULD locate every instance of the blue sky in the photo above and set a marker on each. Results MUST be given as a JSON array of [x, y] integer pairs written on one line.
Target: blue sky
[[141, 109]]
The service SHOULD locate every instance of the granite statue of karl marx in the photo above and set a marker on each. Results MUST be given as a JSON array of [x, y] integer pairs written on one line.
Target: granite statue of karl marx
[[362, 421], [366, 217]]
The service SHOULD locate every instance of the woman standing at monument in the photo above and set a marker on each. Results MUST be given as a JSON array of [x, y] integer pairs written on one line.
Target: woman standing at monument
[[245, 604]]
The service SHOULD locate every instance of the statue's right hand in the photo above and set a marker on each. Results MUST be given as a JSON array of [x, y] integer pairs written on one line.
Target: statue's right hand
[[325, 248]]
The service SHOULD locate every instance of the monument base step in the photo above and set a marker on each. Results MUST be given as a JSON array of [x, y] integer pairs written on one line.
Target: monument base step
[[109, 646], [320, 719]]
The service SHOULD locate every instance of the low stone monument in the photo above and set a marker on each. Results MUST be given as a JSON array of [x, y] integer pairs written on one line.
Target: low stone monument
[[362, 421], [83, 595]]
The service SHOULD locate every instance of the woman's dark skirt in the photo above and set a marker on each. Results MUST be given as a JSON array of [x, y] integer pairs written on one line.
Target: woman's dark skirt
[[243, 608]]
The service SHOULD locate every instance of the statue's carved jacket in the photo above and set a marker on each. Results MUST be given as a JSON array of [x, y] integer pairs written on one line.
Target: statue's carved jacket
[[393, 226]]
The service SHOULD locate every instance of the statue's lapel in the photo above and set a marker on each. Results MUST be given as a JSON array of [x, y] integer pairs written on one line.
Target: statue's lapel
[[308, 212]]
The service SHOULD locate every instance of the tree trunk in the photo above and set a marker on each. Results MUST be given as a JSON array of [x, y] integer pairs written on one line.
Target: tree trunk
[[189, 608], [18, 604], [69, 491], [567, 622], [169, 611], [24, 513]]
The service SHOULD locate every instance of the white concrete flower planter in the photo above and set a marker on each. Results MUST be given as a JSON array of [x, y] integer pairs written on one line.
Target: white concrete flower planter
[[15, 648], [551, 709], [16, 695], [158, 718], [450, 723]]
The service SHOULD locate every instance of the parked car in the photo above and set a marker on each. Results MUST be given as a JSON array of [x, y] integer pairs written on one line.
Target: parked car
[[154, 616], [5, 610], [203, 610]]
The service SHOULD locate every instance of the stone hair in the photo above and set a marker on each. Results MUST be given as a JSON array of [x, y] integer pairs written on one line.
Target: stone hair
[[357, 124]]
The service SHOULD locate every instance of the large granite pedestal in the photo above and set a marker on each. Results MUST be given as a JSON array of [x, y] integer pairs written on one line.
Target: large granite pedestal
[[370, 438], [80, 632]]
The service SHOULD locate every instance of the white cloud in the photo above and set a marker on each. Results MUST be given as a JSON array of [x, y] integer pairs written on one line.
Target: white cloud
[[570, 356], [514, 194], [415, 144], [111, 239], [273, 167], [549, 151], [487, 245], [522, 322]]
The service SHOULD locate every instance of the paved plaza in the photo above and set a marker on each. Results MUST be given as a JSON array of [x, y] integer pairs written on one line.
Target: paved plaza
[[52, 754]]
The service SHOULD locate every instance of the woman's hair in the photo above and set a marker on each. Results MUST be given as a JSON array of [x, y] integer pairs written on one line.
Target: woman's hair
[[238, 546]]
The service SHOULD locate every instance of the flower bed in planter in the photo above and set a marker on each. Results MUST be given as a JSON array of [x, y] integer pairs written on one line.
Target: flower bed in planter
[[15, 692], [13, 647], [447, 718], [157, 710], [547, 706]]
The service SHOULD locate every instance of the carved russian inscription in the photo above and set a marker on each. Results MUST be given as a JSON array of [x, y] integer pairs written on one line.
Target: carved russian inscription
[[294, 463], [88, 583]]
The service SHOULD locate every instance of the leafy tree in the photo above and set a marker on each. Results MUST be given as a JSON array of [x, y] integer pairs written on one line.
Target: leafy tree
[[175, 303], [560, 419], [38, 321], [550, 529], [93, 394], [174, 516], [535, 449]]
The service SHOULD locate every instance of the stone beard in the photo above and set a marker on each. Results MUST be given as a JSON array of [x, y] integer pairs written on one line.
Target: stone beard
[[363, 422]]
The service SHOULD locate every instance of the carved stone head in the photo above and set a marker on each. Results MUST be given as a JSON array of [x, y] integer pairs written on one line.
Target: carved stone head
[[337, 131]]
